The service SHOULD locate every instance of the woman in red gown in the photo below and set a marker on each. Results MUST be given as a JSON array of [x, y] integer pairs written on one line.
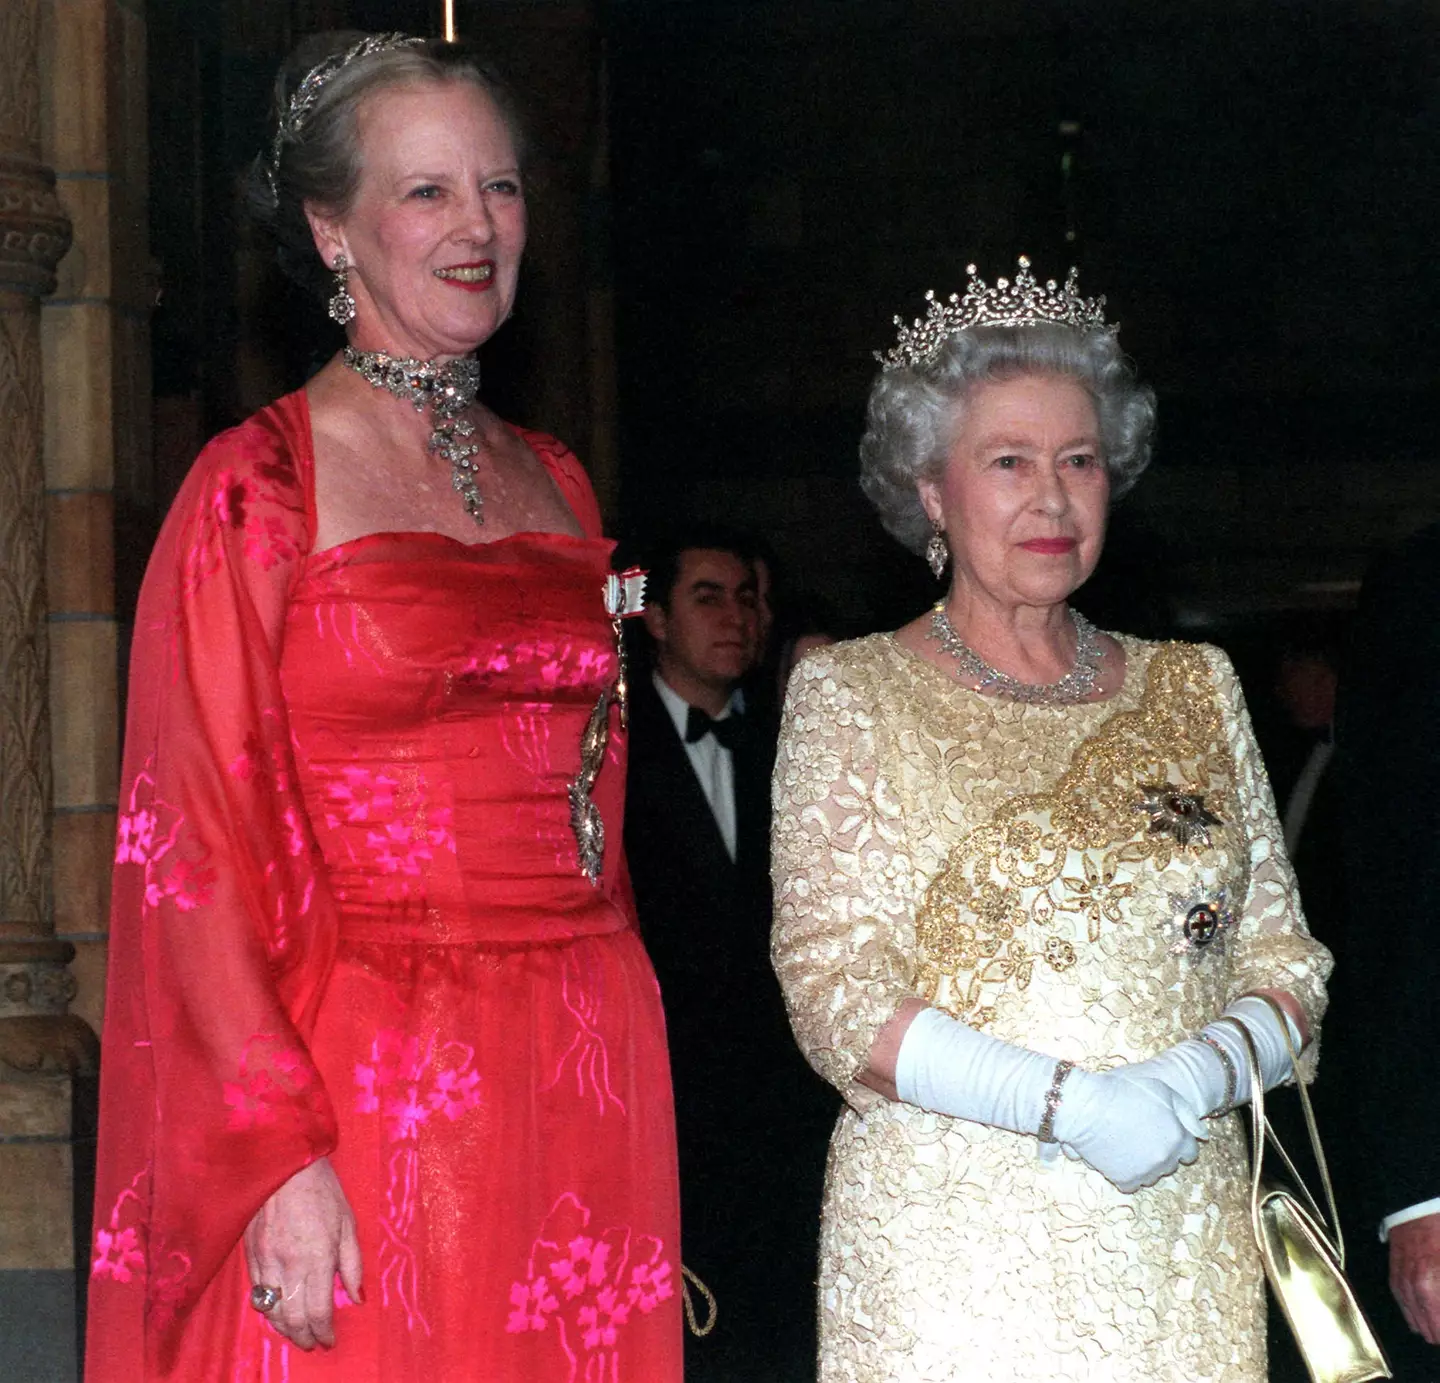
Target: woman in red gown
[[385, 1093]]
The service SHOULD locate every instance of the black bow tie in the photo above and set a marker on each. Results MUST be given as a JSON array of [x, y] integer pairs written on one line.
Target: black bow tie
[[727, 732]]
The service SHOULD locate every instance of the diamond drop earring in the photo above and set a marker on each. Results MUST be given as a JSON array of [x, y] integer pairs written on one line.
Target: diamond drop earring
[[342, 306], [937, 551]]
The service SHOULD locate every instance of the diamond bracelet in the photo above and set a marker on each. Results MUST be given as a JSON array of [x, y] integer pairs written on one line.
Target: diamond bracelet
[[1232, 1076], [1046, 1131]]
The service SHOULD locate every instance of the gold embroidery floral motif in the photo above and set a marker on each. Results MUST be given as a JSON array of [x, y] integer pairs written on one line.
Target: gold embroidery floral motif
[[994, 910], [1098, 896]]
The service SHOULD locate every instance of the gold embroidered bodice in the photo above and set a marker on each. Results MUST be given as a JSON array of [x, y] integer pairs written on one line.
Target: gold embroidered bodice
[[1090, 881]]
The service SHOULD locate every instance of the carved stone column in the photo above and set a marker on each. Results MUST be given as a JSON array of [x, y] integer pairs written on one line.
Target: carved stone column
[[42, 1046], [34, 233]]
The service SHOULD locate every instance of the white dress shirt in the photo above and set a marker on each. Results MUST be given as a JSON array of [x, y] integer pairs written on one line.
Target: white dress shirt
[[1303, 793], [1413, 1212], [713, 763]]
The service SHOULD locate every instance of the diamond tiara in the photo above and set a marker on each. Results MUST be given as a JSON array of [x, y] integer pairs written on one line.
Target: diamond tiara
[[303, 98], [1021, 303]]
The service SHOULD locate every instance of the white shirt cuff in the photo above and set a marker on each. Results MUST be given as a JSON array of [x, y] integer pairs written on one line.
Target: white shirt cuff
[[1411, 1212]]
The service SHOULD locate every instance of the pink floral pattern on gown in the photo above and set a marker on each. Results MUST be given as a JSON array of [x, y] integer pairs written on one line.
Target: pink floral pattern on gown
[[349, 920]]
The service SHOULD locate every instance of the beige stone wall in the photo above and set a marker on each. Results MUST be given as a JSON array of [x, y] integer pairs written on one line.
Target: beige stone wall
[[95, 335], [35, 1054], [74, 413]]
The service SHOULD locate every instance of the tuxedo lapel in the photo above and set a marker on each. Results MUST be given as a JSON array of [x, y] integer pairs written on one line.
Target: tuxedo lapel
[[661, 770]]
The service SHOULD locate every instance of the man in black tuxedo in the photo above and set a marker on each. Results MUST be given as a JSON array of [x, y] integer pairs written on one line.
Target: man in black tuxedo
[[752, 1119], [1381, 1097]]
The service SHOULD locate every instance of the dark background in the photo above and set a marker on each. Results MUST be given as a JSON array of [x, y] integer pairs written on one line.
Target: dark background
[[732, 198]]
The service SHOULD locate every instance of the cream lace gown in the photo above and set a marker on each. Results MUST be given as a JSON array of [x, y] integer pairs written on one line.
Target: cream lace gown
[[1033, 871]]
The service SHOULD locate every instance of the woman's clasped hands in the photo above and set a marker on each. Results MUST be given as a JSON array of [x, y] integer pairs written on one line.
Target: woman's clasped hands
[[1138, 1122], [1133, 1124], [1128, 1125]]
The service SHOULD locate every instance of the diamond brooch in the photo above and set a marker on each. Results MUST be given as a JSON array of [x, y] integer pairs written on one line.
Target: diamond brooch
[[1200, 919], [1180, 815]]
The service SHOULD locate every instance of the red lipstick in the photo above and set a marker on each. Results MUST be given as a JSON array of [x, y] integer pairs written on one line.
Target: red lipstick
[[1050, 547]]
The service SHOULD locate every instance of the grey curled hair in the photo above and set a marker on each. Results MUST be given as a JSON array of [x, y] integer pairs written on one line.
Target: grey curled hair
[[913, 413]]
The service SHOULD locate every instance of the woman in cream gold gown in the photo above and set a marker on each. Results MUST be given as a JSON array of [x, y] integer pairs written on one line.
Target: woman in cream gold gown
[[1021, 868]]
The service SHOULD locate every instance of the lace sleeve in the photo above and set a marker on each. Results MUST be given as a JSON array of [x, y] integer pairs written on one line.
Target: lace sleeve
[[843, 937], [1274, 947]]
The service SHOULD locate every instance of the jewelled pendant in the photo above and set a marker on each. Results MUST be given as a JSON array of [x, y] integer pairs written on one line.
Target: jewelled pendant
[[447, 390], [585, 818], [1178, 814], [624, 598]]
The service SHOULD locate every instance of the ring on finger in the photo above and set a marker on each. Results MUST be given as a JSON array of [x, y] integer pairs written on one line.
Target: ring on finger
[[265, 1298]]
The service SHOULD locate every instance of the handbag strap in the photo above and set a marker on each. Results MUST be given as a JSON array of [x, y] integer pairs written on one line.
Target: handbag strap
[[1257, 1119], [1262, 1132]]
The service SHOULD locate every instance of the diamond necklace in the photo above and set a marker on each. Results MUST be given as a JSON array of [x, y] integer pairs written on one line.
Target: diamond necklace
[[448, 390], [1076, 685]]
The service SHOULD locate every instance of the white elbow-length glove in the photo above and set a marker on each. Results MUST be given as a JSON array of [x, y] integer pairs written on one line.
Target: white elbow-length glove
[[1126, 1127], [1202, 1078]]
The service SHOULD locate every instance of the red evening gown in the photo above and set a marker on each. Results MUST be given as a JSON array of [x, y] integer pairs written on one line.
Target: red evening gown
[[349, 920]]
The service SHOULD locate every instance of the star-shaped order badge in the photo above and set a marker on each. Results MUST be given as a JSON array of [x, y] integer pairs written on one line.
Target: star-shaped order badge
[[1199, 920], [1181, 815]]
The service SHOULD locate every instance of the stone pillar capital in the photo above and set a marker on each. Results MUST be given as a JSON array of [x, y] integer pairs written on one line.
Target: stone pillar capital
[[35, 977], [47, 1044], [34, 229]]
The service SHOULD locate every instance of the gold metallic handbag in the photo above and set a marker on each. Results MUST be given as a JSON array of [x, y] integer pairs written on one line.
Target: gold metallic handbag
[[1304, 1258]]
